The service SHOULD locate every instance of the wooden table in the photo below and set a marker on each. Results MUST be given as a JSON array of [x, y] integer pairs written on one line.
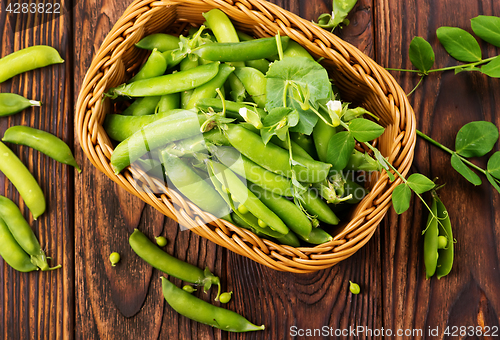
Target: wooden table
[[89, 216]]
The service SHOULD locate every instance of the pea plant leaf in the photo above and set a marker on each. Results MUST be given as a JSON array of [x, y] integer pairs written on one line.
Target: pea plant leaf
[[365, 130], [419, 183], [459, 43], [401, 197], [421, 54], [290, 75], [492, 69], [487, 28], [464, 170], [476, 139], [493, 166], [341, 9], [339, 150], [493, 181], [277, 122]]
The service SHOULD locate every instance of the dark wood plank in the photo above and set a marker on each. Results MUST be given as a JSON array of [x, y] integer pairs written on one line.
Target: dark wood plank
[[40, 304], [445, 102]]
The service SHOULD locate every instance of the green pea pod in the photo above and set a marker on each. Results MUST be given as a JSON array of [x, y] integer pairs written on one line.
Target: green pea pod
[[295, 50], [161, 41], [357, 191], [254, 82], [221, 26], [155, 66], [42, 141], [208, 90], [240, 51], [305, 142], [232, 108], [293, 217], [322, 133], [154, 135], [445, 260], [23, 180], [187, 64], [317, 236], [11, 103], [191, 185], [238, 92], [168, 103], [297, 150], [260, 64], [316, 206], [274, 158], [152, 168], [242, 36], [253, 172], [120, 127], [200, 311], [170, 83], [22, 233], [290, 239], [431, 242], [362, 161], [11, 251], [242, 194], [142, 106], [28, 59], [152, 254]]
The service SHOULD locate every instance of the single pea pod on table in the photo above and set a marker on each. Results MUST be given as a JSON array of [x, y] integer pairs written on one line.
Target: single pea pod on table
[[28, 59], [11, 103]]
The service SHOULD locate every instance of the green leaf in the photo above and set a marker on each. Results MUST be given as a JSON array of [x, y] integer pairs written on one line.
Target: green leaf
[[381, 160], [494, 165], [365, 130], [275, 115], [341, 9], [401, 197], [467, 69], [390, 174], [419, 183], [305, 74], [487, 28], [460, 44], [351, 114], [476, 139], [493, 182], [339, 151], [421, 54], [492, 69], [464, 170]]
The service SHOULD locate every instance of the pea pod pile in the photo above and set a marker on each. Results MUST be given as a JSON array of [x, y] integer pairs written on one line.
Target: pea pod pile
[[255, 136], [18, 244]]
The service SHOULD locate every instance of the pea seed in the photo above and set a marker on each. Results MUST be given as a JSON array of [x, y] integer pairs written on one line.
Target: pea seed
[[242, 209], [225, 297], [114, 258], [354, 288], [261, 223], [161, 241], [442, 242], [189, 288]]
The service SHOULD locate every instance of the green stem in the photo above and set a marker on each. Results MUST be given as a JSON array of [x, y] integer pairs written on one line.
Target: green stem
[[419, 82], [482, 61], [451, 152]]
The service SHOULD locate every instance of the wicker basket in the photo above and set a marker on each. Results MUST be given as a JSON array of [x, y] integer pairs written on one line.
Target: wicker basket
[[357, 76]]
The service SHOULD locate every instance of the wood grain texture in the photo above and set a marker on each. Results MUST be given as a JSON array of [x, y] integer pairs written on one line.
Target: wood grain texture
[[40, 305], [443, 104], [89, 216]]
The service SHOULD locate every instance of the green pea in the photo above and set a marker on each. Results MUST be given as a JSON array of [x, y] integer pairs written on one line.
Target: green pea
[[225, 297], [242, 209], [442, 242], [161, 241], [261, 223], [354, 288], [189, 289], [114, 258]]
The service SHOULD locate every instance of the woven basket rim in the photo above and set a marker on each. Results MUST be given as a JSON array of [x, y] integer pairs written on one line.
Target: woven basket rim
[[107, 65]]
